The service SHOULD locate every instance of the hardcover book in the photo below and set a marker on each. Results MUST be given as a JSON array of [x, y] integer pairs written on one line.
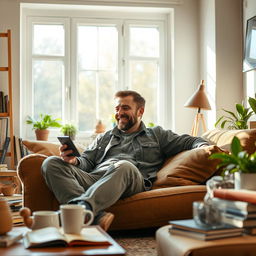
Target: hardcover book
[[234, 194], [234, 205], [52, 236], [190, 225], [10, 238], [203, 236], [238, 221]]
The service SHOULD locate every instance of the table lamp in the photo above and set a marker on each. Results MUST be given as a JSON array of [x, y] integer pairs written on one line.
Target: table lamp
[[198, 100]]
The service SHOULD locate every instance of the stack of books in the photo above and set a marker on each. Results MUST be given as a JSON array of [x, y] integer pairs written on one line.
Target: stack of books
[[190, 228], [15, 203], [238, 207]]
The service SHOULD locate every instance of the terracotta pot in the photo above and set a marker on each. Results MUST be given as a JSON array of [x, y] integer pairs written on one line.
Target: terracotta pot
[[6, 217], [42, 134]]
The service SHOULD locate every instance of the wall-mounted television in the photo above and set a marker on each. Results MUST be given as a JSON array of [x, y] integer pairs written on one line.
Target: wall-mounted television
[[249, 62]]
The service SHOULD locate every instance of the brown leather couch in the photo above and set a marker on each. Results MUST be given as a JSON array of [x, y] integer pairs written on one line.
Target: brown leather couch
[[180, 182]]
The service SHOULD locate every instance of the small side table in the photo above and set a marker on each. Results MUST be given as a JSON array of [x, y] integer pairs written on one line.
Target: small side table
[[175, 245]]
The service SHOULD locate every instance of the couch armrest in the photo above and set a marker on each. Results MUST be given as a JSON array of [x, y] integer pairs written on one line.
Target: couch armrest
[[36, 194]]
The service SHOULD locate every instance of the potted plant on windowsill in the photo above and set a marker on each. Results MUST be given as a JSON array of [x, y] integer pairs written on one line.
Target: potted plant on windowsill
[[42, 124], [239, 162], [69, 130]]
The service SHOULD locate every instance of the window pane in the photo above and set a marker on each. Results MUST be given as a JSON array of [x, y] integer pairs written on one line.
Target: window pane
[[144, 42], [106, 97], [97, 47], [97, 64], [87, 47], [86, 100], [144, 78], [48, 87], [48, 40]]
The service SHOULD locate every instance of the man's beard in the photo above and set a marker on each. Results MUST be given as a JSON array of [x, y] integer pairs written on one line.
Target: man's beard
[[131, 122]]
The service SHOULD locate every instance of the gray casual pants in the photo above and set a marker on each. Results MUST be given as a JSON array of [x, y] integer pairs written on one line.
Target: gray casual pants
[[101, 188]]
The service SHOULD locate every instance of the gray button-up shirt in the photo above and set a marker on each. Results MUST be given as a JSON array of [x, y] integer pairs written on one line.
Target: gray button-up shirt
[[150, 147]]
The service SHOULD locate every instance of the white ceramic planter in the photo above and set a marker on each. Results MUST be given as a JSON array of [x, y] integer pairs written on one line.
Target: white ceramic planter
[[245, 181]]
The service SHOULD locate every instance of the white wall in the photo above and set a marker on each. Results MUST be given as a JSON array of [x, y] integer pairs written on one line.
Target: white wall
[[187, 55], [250, 76], [221, 54]]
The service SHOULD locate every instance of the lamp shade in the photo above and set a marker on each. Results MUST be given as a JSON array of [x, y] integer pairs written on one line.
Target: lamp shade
[[199, 99]]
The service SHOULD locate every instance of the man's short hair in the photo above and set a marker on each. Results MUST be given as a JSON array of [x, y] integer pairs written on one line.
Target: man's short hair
[[137, 98]]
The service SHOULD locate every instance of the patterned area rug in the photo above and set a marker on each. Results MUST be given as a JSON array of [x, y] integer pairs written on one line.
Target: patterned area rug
[[137, 242]]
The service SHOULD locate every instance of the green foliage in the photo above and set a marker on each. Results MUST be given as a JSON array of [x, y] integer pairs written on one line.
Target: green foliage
[[236, 120], [237, 160], [150, 125], [252, 103], [44, 122], [69, 130]]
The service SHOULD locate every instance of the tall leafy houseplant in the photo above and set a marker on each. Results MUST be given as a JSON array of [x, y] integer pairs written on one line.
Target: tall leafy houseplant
[[42, 124], [240, 163], [236, 120]]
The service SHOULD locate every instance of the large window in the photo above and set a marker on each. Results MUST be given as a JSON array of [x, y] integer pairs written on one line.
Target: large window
[[74, 65]]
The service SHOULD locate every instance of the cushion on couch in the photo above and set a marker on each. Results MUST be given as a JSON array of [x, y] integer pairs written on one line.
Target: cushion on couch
[[190, 167], [223, 138], [47, 148]]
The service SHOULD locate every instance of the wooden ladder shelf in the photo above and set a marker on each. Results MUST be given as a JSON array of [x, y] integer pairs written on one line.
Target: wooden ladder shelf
[[9, 113]]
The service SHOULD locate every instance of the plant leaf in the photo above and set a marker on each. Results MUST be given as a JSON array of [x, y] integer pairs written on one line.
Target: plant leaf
[[235, 146]]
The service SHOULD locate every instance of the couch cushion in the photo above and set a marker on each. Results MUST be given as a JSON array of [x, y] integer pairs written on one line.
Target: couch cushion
[[188, 168], [46, 148], [223, 138]]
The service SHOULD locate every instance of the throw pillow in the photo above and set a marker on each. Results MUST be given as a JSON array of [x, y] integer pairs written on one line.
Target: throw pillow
[[47, 148], [190, 167], [42, 147], [223, 138]]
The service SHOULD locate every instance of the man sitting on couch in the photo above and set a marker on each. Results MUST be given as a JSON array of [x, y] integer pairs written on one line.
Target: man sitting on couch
[[119, 163]]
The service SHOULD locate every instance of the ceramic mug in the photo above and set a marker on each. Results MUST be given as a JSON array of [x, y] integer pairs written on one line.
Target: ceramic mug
[[73, 218], [42, 219]]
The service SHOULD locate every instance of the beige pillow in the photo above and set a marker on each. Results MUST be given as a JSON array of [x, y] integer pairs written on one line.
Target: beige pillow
[[42, 147], [188, 168], [47, 148], [223, 138]]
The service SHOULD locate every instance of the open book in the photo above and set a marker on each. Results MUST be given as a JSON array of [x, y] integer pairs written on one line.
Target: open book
[[52, 236]]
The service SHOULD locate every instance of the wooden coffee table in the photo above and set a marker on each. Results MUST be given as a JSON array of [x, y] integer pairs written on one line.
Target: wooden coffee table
[[18, 249]]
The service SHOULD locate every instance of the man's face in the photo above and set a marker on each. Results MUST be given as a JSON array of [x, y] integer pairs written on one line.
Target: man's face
[[127, 114]]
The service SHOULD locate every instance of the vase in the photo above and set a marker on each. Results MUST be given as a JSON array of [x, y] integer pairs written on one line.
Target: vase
[[42, 134], [245, 181], [6, 217]]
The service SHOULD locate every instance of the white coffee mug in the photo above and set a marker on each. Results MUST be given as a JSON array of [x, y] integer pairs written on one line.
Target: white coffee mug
[[73, 218], [42, 219]]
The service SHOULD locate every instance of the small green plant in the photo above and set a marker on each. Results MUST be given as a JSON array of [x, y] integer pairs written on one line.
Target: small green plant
[[44, 122], [69, 130], [237, 161], [236, 120], [151, 124]]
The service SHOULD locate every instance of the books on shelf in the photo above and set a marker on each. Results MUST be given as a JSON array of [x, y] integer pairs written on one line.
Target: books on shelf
[[3, 131], [4, 102], [236, 195], [5, 149], [189, 228], [15, 203], [52, 236], [10, 238]]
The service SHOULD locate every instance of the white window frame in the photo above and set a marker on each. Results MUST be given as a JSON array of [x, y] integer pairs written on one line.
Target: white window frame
[[70, 18]]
